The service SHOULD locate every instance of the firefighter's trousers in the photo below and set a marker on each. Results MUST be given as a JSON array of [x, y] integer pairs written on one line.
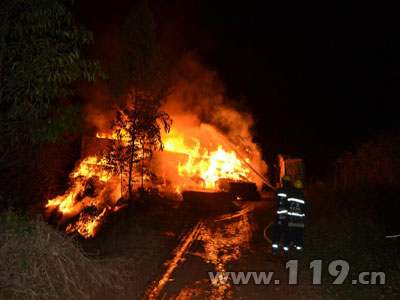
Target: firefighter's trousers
[[280, 228], [294, 235]]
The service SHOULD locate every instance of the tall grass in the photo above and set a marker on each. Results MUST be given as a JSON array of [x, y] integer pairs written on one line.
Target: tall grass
[[374, 164], [39, 262], [351, 214]]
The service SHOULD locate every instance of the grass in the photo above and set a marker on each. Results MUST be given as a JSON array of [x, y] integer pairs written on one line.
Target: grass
[[40, 262], [340, 234], [375, 163], [139, 239], [350, 216]]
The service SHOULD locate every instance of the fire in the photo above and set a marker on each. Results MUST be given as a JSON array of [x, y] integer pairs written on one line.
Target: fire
[[206, 164], [94, 193], [88, 168], [196, 156], [199, 157], [196, 160], [87, 224]]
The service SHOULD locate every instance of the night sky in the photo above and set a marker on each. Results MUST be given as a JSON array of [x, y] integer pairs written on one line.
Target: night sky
[[318, 80]]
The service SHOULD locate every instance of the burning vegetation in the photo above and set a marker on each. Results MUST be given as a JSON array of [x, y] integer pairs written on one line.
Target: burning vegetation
[[93, 193], [209, 143], [196, 155]]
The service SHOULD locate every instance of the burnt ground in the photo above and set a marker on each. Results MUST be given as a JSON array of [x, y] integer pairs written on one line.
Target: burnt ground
[[166, 250]]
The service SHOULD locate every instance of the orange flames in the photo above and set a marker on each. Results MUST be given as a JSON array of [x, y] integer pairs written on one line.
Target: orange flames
[[94, 192], [191, 161], [196, 154], [205, 162]]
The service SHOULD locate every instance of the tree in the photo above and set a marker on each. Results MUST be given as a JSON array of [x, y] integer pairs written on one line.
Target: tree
[[40, 57], [138, 78]]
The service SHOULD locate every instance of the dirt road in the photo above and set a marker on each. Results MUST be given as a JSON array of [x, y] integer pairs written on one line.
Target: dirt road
[[228, 241]]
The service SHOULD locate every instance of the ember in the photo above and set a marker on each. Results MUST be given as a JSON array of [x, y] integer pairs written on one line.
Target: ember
[[197, 156], [201, 158], [94, 193]]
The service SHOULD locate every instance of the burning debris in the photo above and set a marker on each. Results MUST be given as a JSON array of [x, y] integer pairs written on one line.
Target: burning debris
[[197, 156], [199, 159], [94, 193]]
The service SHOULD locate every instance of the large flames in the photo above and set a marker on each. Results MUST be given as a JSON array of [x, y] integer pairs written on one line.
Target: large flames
[[199, 159], [94, 192], [196, 156]]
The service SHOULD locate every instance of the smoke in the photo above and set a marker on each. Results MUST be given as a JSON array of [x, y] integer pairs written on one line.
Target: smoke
[[99, 107], [197, 98], [198, 93], [200, 110]]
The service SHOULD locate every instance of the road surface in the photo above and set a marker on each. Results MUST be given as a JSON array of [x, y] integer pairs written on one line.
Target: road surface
[[228, 240]]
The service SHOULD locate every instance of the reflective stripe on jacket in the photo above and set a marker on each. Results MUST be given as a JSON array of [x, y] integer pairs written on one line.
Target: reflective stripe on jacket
[[296, 206]]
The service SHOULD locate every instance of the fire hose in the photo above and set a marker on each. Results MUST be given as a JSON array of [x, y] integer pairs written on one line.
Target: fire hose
[[257, 173], [230, 144], [393, 236], [265, 231], [265, 180]]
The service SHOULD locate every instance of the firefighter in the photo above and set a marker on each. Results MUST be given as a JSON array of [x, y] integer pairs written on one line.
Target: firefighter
[[296, 206], [281, 219]]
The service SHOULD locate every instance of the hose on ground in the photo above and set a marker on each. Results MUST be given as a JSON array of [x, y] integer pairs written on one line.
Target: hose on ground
[[265, 231], [393, 236]]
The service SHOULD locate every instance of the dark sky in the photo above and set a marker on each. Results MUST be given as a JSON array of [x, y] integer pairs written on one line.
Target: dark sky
[[317, 79]]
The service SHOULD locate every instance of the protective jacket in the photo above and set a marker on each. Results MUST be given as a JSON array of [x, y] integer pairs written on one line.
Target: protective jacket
[[280, 226], [296, 207], [282, 196]]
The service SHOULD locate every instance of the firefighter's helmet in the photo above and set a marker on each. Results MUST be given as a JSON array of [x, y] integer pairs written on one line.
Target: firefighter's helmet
[[298, 184], [287, 178]]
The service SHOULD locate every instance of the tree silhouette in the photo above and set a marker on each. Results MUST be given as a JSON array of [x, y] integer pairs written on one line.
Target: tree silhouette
[[139, 79], [40, 57]]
